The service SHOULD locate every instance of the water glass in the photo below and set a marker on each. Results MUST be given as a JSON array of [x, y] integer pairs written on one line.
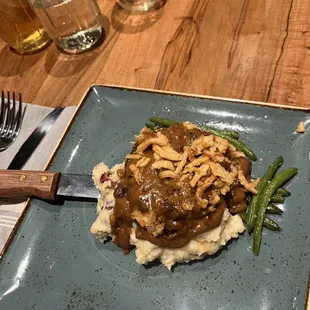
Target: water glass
[[74, 25], [20, 27], [136, 6]]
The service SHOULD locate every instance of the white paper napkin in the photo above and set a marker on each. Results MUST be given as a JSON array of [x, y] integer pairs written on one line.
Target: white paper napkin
[[11, 212]]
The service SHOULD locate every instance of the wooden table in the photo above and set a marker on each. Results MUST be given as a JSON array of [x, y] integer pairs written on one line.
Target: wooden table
[[252, 50]]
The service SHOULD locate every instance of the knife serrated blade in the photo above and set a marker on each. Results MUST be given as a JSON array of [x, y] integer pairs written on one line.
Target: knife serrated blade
[[34, 139]]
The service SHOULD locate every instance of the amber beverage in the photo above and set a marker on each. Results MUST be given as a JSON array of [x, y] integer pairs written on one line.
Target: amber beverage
[[20, 27]]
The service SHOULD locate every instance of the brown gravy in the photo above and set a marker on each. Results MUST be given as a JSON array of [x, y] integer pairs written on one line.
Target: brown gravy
[[165, 197]]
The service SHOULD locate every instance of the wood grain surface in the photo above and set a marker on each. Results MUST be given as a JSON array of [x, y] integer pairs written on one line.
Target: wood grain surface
[[39, 184], [244, 49]]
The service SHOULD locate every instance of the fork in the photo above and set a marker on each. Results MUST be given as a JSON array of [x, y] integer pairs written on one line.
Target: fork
[[10, 119]]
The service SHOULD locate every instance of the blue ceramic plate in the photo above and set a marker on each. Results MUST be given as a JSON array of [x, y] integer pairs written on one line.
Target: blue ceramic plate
[[55, 263]]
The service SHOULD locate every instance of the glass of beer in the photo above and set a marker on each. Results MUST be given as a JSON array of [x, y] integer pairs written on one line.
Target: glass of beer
[[20, 27]]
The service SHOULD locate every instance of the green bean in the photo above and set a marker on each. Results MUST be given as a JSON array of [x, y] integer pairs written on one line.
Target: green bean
[[244, 216], [283, 192], [236, 143], [233, 134], [162, 121], [150, 126], [252, 209], [270, 224], [277, 198], [272, 209], [167, 122], [214, 131], [271, 188], [240, 146]]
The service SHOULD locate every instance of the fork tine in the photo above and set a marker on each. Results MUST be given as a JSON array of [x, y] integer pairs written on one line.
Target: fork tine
[[2, 114], [8, 114], [12, 117], [19, 115]]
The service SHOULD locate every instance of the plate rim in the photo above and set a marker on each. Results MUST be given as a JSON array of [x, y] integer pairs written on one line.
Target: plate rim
[[193, 95]]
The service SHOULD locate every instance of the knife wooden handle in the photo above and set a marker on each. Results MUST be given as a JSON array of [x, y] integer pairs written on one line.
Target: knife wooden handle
[[23, 183]]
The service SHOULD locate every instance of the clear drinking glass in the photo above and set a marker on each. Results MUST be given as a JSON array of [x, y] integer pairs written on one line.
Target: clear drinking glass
[[140, 5], [74, 25], [20, 27]]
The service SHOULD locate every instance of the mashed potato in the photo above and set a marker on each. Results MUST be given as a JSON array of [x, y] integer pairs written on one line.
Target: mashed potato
[[202, 245]]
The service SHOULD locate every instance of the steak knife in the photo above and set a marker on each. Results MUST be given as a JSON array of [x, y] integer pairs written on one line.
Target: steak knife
[[46, 185], [34, 139]]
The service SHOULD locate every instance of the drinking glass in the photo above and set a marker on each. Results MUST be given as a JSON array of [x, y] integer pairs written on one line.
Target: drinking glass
[[140, 5], [20, 27], [74, 25]]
